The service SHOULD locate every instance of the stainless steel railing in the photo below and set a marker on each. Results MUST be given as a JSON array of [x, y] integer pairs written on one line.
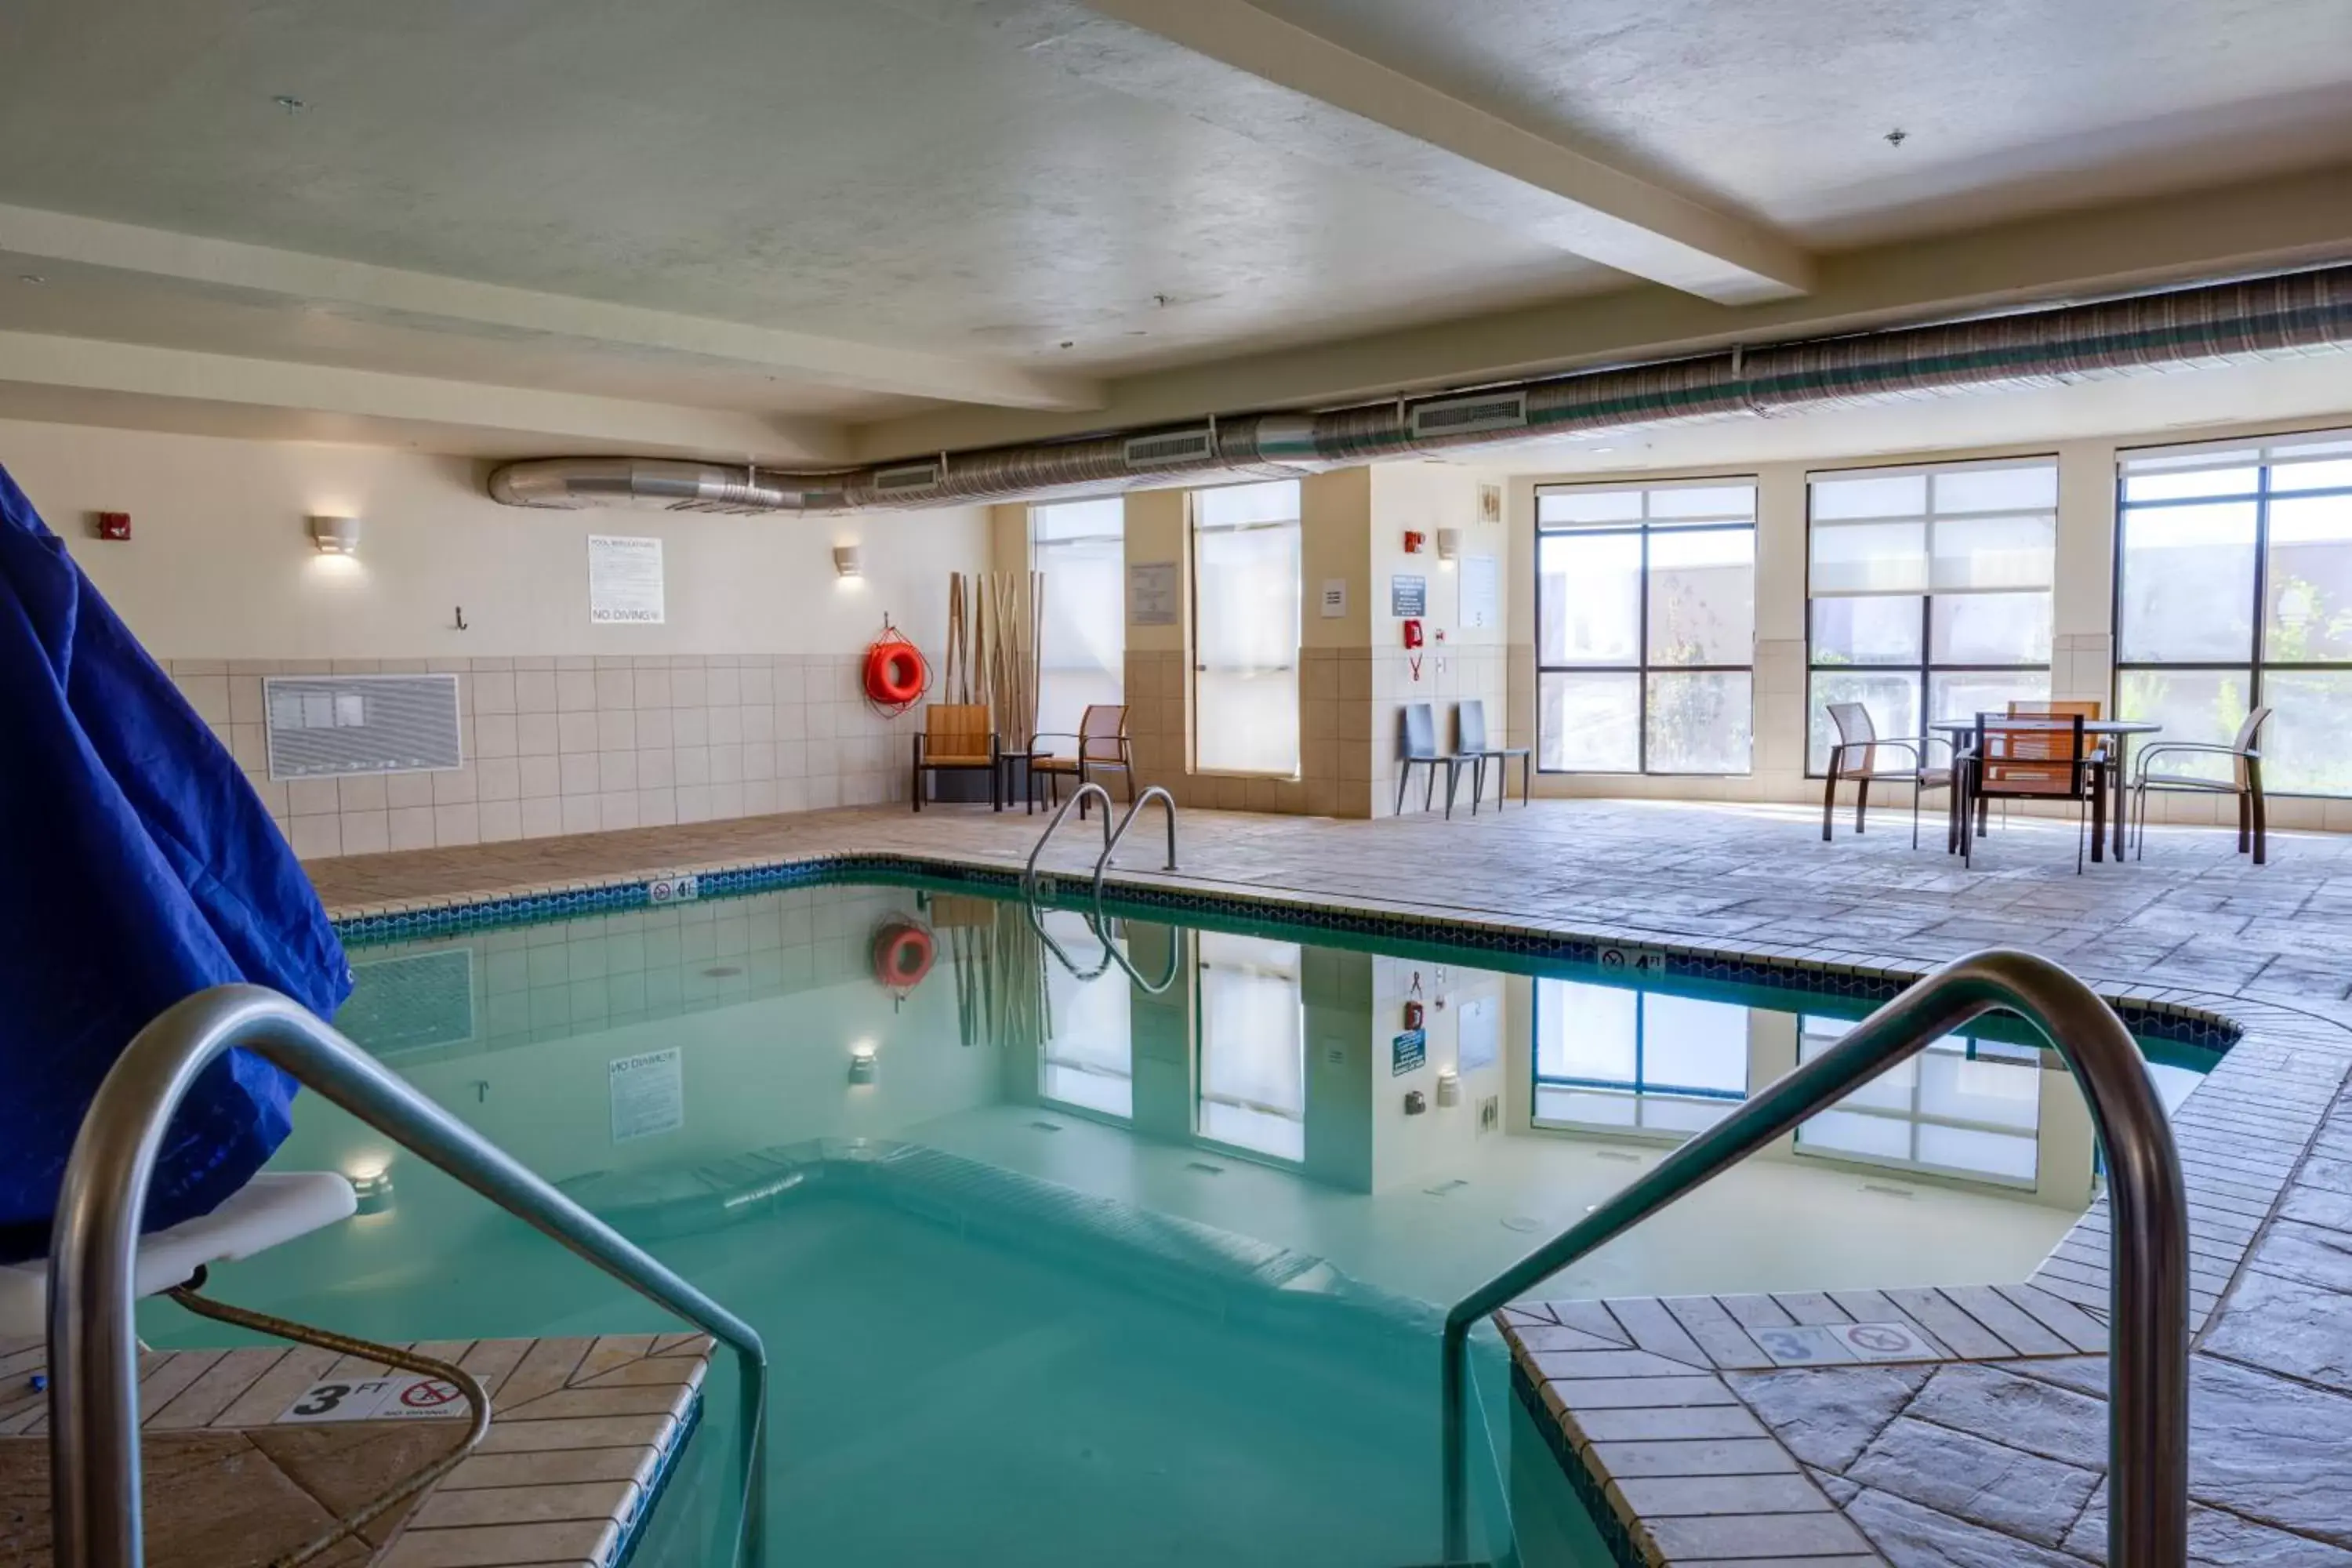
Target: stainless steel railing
[[1168, 804], [1111, 954], [1029, 871], [93, 1345], [2147, 1370]]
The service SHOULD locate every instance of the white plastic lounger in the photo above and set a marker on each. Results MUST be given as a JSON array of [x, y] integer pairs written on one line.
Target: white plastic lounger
[[269, 1210]]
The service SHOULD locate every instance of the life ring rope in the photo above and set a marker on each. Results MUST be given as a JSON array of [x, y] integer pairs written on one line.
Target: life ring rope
[[896, 674]]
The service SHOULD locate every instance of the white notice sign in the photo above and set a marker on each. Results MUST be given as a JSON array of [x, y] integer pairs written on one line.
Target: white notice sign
[[1479, 584], [1334, 598], [648, 1094], [395, 1397], [1151, 593], [625, 581]]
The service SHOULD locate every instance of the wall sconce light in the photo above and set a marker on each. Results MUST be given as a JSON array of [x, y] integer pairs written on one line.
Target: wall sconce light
[[861, 1062], [1449, 1086], [336, 535], [849, 561], [1449, 543], [372, 1187]]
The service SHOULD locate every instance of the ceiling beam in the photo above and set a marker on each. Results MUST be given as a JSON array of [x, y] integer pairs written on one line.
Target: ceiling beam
[[37, 237], [1318, 99], [536, 420], [2246, 226]]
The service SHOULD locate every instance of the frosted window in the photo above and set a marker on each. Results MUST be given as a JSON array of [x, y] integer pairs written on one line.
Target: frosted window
[[1080, 546], [1944, 571], [1246, 592], [2234, 562]]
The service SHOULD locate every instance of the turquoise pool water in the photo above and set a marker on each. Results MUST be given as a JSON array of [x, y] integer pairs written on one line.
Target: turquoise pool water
[[1145, 1265]]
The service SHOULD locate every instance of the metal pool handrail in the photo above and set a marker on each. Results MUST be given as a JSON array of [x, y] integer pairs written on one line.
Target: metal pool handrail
[[2147, 1369], [1167, 803], [1112, 957], [93, 1347], [1029, 871]]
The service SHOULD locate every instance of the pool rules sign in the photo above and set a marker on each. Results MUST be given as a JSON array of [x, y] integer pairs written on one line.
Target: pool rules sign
[[625, 581]]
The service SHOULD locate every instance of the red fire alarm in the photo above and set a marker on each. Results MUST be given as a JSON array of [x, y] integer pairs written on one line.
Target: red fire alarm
[[1414, 540], [114, 525]]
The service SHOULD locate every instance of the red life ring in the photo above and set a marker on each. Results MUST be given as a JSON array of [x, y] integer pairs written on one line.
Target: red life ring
[[895, 672], [902, 956]]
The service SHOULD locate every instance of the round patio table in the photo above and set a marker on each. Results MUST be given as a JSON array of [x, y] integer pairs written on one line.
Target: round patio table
[[2119, 730]]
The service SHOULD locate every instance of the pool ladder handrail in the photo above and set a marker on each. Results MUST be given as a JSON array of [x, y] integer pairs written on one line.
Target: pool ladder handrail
[[1134, 810], [1111, 836], [2147, 1370], [1094, 920], [93, 1343]]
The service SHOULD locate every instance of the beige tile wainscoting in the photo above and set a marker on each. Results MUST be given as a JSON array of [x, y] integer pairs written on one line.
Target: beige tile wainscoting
[[581, 744]]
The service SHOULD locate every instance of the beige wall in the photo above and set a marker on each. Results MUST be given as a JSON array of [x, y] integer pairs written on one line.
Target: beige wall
[[2083, 650], [1457, 661], [745, 700], [1354, 675]]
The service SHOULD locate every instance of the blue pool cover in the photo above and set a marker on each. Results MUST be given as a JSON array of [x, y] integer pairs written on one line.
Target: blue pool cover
[[136, 867]]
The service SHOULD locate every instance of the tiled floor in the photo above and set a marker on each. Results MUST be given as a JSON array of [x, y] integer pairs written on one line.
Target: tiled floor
[[581, 1428], [1952, 1426], [2193, 914]]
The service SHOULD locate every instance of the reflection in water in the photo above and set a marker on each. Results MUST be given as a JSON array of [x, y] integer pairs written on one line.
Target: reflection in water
[[1253, 1045], [1606, 1057], [1964, 1106], [1088, 1060], [1417, 1164]]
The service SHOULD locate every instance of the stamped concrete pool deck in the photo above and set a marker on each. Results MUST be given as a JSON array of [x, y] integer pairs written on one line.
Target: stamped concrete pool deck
[[1911, 1427]]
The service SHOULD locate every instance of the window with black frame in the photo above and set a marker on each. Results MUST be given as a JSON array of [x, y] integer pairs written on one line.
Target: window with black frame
[[1609, 1056], [1646, 627], [1929, 593], [2233, 589]]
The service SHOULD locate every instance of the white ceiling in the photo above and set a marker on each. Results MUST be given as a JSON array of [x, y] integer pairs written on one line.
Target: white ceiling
[[798, 163], [971, 185], [2008, 106]]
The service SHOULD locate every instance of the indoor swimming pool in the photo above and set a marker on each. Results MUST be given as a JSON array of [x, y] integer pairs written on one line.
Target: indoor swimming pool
[[1067, 1253]]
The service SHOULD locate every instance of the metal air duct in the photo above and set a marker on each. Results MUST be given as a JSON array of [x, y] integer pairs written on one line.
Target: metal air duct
[[2263, 317]]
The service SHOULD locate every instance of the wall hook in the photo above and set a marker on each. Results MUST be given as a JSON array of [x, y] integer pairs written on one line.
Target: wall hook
[[461, 619]]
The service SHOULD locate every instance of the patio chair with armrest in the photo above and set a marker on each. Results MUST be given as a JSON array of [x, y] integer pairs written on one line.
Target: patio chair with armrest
[[1100, 745], [2244, 781], [1855, 756], [957, 738], [1470, 740], [2043, 757]]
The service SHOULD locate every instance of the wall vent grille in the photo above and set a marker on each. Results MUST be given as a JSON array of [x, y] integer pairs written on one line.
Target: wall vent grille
[[329, 726], [418, 1001], [1465, 416]]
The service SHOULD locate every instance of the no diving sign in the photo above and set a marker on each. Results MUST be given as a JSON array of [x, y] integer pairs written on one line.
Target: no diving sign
[[403, 1396]]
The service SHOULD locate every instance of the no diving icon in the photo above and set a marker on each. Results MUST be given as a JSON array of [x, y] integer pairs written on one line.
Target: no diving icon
[[429, 1395]]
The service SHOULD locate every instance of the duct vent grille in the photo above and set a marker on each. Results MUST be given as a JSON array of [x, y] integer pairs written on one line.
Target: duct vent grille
[[906, 477], [1467, 415], [328, 726], [1166, 448]]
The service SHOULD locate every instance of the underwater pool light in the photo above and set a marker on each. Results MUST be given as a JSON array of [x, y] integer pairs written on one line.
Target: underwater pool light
[[372, 1185]]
